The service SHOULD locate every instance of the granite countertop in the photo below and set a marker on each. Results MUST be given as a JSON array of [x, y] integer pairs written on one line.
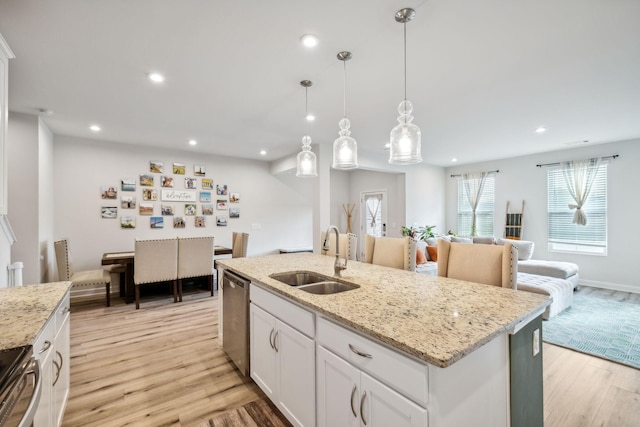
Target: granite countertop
[[435, 319], [24, 310]]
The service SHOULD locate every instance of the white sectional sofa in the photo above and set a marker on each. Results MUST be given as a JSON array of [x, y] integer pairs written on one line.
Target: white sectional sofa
[[553, 278]]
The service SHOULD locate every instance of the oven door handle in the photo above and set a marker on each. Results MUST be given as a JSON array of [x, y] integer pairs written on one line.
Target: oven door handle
[[30, 412]]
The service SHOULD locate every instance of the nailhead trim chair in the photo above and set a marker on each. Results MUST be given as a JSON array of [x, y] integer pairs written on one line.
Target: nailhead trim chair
[[83, 278], [195, 259], [348, 245], [395, 252], [156, 260]]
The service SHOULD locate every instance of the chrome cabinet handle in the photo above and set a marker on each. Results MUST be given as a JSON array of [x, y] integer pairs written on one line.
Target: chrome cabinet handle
[[66, 310], [271, 338], [353, 392], [359, 353], [47, 346], [59, 367], [275, 341], [364, 395]]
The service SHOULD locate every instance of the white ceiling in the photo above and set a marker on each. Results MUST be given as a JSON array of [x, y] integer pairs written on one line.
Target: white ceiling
[[482, 75]]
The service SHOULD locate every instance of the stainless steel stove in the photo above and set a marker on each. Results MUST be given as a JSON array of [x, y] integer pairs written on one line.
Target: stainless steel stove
[[20, 384]]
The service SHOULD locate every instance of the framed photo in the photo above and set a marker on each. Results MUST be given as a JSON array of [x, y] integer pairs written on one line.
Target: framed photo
[[200, 221], [234, 198], [199, 170], [205, 196], [234, 212], [189, 208], [166, 181], [178, 222], [149, 194], [190, 183], [166, 209], [221, 189], [146, 209], [179, 169], [128, 202], [109, 192], [110, 212], [207, 209], [128, 184], [221, 205], [221, 221], [156, 167], [128, 222], [207, 184], [156, 222], [146, 180]]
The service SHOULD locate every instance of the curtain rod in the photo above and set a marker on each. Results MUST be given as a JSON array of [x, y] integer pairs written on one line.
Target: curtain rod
[[457, 175], [559, 163]]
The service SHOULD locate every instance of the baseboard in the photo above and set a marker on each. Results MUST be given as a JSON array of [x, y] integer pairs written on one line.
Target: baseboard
[[612, 286]]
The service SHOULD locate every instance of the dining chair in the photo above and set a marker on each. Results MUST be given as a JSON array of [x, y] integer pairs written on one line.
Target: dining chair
[[348, 245], [195, 259], [395, 252], [239, 244], [495, 265], [79, 279], [155, 261]]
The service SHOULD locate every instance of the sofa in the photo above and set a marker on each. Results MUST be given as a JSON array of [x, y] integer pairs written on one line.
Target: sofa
[[556, 279]]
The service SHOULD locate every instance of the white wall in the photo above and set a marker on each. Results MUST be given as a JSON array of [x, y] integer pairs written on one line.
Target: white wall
[[45, 202], [519, 179], [281, 205]]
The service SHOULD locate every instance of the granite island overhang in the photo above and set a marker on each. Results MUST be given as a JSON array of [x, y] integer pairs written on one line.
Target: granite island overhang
[[434, 319]]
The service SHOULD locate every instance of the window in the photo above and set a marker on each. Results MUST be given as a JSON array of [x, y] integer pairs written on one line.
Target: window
[[563, 235], [484, 211]]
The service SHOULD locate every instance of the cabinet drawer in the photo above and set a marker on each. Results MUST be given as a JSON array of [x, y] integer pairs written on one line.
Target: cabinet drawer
[[407, 376], [43, 345], [294, 316], [62, 311]]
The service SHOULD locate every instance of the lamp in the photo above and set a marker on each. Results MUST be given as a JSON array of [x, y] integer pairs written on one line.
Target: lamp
[[345, 148], [405, 137], [306, 160]]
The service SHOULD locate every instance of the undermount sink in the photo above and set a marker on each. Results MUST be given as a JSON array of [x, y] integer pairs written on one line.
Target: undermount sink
[[312, 282]]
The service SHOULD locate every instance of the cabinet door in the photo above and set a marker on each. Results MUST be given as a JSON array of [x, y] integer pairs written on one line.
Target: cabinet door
[[43, 417], [263, 355], [382, 407], [61, 361], [338, 391], [296, 375]]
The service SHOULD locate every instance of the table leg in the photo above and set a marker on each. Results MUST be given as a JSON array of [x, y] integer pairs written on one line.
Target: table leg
[[129, 286]]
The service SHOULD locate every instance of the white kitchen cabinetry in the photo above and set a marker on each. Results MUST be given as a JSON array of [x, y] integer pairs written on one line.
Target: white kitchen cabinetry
[[349, 397], [283, 358], [52, 349]]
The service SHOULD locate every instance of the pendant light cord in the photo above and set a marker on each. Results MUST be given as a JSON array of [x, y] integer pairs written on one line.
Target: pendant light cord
[[405, 60], [344, 92]]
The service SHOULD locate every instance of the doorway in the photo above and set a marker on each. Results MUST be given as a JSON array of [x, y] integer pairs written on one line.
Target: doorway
[[373, 208]]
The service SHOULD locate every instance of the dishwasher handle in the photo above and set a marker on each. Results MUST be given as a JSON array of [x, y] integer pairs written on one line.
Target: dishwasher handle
[[234, 280]]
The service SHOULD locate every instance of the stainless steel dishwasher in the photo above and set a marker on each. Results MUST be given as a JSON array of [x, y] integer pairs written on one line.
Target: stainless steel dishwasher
[[235, 320]]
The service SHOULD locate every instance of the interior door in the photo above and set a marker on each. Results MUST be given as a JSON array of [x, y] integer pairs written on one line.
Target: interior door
[[373, 208]]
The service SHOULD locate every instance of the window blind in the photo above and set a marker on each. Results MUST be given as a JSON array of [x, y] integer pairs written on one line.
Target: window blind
[[484, 211]]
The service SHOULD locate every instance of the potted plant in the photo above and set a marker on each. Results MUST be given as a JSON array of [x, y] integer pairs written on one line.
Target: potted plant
[[419, 233]]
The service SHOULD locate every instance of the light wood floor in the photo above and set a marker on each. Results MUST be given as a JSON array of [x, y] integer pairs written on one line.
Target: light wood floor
[[163, 365]]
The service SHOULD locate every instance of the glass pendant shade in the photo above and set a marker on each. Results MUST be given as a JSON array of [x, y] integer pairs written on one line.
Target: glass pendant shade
[[306, 160], [405, 138], [345, 148]]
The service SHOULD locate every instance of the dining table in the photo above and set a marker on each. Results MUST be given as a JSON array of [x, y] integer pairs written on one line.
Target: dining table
[[127, 259]]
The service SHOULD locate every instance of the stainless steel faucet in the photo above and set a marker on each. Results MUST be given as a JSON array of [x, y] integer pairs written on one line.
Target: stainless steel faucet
[[339, 264]]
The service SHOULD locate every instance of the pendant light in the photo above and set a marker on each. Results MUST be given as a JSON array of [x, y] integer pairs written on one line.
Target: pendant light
[[404, 139], [306, 160], [345, 148]]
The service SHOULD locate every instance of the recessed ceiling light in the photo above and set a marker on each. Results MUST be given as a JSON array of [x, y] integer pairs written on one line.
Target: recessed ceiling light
[[454, 160], [263, 152], [95, 128], [156, 77], [387, 145], [310, 117], [309, 40], [541, 130], [193, 142]]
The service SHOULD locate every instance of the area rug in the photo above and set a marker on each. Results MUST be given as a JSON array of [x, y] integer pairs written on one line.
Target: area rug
[[260, 413], [599, 327]]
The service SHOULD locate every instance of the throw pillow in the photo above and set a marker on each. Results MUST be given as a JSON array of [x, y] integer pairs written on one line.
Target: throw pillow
[[525, 247], [420, 257], [461, 239], [433, 252], [483, 240]]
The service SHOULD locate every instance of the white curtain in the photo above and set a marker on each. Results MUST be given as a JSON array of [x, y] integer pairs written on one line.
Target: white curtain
[[376, 201], [578, 177], [473, 186]]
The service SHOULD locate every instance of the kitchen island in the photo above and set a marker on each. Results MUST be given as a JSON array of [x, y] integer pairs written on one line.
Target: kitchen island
[[445, 343]]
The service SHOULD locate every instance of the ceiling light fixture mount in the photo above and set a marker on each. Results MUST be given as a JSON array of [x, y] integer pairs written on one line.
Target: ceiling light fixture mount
[[405, 138], [345, 148], [306, 162]]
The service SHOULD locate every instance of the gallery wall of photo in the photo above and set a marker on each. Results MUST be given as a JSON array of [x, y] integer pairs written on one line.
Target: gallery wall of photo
[[174, 195]]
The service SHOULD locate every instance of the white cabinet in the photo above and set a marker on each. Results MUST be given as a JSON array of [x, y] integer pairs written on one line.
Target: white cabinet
[[283, 358], [349, 397], [52, 348]]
